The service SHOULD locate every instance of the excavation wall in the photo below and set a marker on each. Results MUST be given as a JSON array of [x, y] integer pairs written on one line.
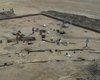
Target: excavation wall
[[78, 20]]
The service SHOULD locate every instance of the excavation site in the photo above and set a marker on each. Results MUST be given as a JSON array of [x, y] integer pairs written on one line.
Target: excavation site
[[49, 40]]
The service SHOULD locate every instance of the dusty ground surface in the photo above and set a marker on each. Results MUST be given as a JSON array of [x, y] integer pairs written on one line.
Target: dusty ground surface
[[54, 65], [48, 65], [87, 7]]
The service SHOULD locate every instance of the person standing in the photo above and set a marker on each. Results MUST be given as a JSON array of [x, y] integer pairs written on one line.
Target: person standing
[[33, 30], [87, 42], [18, 36]]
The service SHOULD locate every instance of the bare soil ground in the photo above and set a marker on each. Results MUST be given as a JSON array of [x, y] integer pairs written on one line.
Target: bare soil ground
[[87, 7], [56, 65], [49, 65]]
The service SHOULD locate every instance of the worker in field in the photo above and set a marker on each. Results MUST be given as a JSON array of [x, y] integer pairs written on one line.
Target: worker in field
[[18, 36], [33, 30], [87, 42], [58, 41]]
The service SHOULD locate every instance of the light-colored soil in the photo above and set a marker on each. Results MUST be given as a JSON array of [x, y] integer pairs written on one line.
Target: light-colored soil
[[59, 66], [89, 8], [24, 68]]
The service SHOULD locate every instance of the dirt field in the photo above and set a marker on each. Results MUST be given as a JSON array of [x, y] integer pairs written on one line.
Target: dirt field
[[87, 7], [57, 56], [46, 65]]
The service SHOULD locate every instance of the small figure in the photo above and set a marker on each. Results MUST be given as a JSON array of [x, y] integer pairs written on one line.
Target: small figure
[[33, 30], [40, 32], [87, 42], [37, 30], [18, 36], [66, 53], [58, 42], [12, 10]]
